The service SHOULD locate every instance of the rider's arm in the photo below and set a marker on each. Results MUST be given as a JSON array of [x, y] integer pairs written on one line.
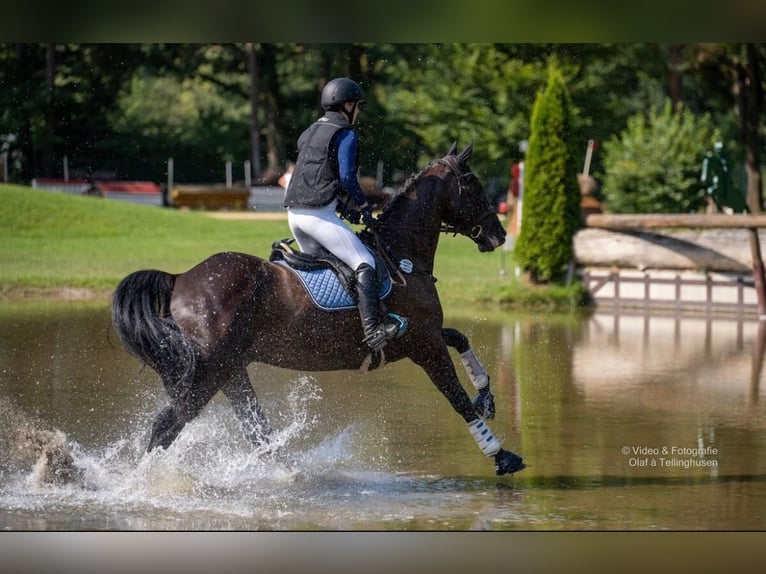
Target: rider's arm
[[348, 144]]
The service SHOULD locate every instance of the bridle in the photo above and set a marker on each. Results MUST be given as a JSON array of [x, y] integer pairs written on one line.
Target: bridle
[[473, 230]]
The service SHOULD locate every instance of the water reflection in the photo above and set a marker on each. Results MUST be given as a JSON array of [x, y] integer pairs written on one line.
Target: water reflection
[[626, 422], [637, 382]]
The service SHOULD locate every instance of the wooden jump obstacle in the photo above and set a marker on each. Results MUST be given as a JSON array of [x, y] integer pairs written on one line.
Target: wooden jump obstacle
[[209, 197], [639, 222], [681, 220]]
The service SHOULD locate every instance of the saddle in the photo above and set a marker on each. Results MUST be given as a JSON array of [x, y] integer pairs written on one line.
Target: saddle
[[328, 280]]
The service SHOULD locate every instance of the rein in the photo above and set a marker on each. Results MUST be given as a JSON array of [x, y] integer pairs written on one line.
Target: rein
[[382, 249]]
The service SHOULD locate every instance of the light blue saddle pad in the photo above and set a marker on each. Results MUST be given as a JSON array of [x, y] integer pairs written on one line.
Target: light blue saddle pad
[[326, 290]]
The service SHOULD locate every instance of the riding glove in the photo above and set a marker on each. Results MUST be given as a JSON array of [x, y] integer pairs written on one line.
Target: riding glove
[[367, 218]]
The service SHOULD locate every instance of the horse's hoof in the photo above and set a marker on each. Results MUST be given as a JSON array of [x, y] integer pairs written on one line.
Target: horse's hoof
[[165, 429], [507, 462]]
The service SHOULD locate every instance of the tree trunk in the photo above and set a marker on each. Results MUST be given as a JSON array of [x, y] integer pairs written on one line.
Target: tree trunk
[[325, 72], [629, 221], [269, 89], [255, 136], [676, 78], [47, 160], [749, 98], [718, 250]]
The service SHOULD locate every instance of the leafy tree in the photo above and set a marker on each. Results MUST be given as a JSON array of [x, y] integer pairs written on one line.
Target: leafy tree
[[551, 193], [653, 165], [731, 79], [54, 97], [166, 117], [98, 104], [479, 92]]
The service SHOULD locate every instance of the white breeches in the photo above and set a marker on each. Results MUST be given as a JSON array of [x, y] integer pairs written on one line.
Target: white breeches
[[320, 226]]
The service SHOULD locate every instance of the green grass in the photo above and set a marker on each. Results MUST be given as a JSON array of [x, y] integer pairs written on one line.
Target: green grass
[[52, 240]]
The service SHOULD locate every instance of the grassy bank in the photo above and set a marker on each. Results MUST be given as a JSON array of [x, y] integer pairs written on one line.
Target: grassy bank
[[50, 240], [53, 242]]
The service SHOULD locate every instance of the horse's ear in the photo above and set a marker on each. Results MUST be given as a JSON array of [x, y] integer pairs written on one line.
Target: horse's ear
[[452, 149], [466, 153]]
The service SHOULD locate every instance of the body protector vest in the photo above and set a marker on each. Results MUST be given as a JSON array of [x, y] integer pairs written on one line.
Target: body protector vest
[[315, 181]]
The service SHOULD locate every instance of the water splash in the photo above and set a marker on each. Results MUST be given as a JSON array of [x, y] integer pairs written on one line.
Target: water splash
[[312, 476], [210, 470], [24, 441]]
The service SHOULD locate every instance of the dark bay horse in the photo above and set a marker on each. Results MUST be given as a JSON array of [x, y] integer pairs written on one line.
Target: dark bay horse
[[201, 329]]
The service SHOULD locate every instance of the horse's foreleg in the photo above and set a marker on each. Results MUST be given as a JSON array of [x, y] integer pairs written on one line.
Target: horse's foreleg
[[239, 390], [438, 366], [484, 401]]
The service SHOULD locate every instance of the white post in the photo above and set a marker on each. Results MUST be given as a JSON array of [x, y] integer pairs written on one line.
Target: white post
[[5, 166], [520, 203], [588, 156], [169, 194], [248, 180], [66, 168], [228, 174], [379, 175], [520, 207]]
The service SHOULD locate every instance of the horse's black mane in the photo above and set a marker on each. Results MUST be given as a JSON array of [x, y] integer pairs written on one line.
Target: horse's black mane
[[410, 182], [415, 177]]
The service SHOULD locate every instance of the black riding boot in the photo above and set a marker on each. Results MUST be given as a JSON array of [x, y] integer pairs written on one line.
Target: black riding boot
[[376, 332]]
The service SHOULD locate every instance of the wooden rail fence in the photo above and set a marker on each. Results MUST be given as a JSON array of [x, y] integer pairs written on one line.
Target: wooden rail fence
[[624, 222]]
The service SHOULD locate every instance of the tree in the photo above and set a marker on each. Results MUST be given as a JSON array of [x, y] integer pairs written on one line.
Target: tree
[[551, 193], [731, 82], [465, 92], [69, 99], [653, 165], [55, 98], [748, 90]]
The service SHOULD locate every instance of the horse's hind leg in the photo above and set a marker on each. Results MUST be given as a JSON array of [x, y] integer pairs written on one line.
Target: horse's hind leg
[[483, 402], [186, 402], [239, 391]]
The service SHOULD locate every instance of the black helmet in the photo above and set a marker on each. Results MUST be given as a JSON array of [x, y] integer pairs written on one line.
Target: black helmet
[[340, 90]]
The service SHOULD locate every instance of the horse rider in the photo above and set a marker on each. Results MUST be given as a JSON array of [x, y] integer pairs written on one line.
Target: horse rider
[[324, 182]]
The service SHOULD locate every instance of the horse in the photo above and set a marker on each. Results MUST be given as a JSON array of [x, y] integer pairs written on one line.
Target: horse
[[199, 330]]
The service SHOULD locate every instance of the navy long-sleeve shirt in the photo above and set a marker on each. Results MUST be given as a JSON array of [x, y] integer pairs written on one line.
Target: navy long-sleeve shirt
[[347, 144]]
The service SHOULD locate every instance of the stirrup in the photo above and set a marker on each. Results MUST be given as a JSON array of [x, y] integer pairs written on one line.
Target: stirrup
[[402, 323], [382, 333], [385, 331]]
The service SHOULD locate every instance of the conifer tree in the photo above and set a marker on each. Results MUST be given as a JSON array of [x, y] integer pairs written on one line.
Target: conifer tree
[[551, 206]]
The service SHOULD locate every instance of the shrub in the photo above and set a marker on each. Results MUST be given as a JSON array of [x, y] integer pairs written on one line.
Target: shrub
[[654, 165]]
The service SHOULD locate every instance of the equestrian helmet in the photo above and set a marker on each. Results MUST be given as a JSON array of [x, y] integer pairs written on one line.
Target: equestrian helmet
[[340, 90]]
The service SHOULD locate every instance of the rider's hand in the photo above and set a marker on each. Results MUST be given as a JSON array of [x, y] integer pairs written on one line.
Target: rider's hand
[[352, 215], [367, 218]]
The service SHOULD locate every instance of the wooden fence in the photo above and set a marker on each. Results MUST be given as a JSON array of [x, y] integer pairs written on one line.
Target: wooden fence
[[664, 288]]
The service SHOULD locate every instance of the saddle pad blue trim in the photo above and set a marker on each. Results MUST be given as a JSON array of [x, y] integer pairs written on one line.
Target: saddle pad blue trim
[[326, 290]]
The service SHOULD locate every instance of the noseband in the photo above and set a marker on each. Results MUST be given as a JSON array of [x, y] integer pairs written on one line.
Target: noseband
[[474, 230]]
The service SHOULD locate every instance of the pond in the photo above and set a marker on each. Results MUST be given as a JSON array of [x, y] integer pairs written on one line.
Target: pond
[[626, 422]]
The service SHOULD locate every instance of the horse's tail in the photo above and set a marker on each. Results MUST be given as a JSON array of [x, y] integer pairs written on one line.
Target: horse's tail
[[141, 316]]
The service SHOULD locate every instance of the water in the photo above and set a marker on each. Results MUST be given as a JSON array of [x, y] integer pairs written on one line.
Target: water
[[625, 422]]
